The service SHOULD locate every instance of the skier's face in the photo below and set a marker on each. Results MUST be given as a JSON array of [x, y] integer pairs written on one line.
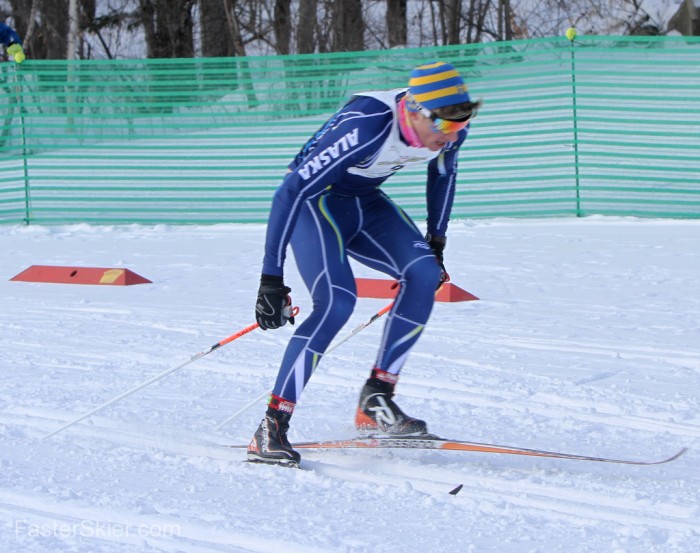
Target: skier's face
[[431, 137]]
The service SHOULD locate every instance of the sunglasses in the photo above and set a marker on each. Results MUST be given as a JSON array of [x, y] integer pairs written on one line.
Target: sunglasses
[[461, 119]]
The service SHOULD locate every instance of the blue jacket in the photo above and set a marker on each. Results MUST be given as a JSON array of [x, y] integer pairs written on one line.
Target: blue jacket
[[353, 153], [8, 35]]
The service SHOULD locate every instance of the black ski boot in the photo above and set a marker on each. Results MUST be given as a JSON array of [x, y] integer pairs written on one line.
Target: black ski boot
[[378, 412], [270, 444]]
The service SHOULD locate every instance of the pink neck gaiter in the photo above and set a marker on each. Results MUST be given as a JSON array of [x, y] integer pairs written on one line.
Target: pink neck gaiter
[[405, 126]]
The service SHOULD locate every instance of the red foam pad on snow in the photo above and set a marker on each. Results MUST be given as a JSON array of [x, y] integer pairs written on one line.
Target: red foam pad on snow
[[80, 275], [380, 288]]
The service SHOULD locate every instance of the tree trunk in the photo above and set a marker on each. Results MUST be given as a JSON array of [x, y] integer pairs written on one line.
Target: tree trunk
[[306, 28], [396, 26], [507, 20], [73, 30], [282, 26], [505, 16], [348, 26], [234, 29], [239, 49], [168, 28], [453, 18], [216, 40]]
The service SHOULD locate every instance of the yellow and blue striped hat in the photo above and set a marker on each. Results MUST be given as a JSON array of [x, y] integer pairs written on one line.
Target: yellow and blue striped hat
[[437, 84]]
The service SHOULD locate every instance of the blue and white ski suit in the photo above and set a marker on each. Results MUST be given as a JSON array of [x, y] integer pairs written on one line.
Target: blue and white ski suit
[[329, 208]]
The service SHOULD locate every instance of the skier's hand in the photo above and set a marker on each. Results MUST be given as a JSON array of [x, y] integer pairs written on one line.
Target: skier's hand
[[437, 244], [273, 307], [16, 52]]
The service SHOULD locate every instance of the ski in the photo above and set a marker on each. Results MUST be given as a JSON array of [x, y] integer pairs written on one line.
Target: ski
[[430, 441]]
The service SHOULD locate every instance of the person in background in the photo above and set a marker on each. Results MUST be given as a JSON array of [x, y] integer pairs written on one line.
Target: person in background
[[12, 42], [329, 208]]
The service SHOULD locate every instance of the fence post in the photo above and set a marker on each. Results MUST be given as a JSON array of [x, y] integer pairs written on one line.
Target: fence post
[[23, 138], [571, 35]]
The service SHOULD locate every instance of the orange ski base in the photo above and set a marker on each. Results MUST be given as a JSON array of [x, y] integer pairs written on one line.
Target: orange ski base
[[380, 288], [80, 275]]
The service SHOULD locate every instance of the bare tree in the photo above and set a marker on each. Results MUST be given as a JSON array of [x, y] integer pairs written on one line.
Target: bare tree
[[73, 29], [451, 13], [306, 26], [505, 23], [234, 28], [239, 48], [168, 28], [604, 17], [46, 22], [216, 38], [282, 26], [396, 24], [348, 26], [476, 21], [121, 28]]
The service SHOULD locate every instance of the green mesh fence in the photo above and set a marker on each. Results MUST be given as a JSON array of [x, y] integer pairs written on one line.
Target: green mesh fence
[[606, 125]]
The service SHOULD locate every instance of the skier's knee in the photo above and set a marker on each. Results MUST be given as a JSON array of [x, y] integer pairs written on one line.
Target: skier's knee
[[342, 306], [336, 309], [423, 273]]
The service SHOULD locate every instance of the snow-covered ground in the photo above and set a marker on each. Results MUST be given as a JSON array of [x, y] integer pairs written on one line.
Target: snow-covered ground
[[585, 339]]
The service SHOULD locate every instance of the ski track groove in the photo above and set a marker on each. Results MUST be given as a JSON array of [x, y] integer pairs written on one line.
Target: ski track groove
[[546, 404], [681, 358], [546, 501], [581, 506], [41, 512]]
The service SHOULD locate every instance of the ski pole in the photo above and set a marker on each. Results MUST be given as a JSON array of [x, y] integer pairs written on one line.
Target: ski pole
[[344, 339], [157, 377]]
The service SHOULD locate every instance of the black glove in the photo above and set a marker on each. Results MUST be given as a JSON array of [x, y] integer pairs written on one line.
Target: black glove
[[274, 305], [437, 244]]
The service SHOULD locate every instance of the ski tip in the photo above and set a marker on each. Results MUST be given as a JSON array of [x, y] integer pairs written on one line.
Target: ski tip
[[676, 456], [662, 461], [456, 490]]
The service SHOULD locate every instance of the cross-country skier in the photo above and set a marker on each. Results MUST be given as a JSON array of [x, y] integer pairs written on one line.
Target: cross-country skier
[[12, 42], [330, 208]]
